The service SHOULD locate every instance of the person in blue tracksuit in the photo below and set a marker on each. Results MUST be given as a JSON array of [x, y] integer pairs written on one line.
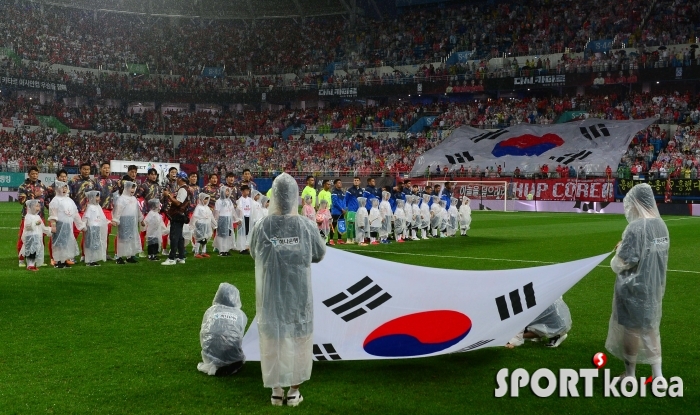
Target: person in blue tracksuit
[[371, 192], [351, 206], [338, 209], [446, 194]]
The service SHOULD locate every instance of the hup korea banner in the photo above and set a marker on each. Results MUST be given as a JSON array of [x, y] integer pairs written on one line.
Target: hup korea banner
[[367, 308], [592, 143]]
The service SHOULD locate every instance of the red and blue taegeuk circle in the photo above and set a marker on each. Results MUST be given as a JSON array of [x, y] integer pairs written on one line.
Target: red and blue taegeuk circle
[[418, 334], [527, 145]]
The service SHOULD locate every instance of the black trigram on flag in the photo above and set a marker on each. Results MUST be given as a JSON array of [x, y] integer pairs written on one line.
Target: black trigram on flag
[[474, 346], [457, 158], [358, 299], [491, 135], [325, 352], [571, 157], [515, 301], [594, 131]]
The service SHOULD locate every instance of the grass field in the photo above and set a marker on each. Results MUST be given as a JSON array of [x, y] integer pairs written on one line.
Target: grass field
[[125, 339]]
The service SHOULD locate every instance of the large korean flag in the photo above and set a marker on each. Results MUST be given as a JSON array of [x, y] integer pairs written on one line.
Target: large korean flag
[[367, 308], [591, 143]]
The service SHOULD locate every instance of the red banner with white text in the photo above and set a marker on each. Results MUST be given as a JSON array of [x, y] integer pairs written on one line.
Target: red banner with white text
[[589, 190]]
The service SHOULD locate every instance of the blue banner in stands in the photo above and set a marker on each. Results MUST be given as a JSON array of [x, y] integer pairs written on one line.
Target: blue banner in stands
[[212, 72], [602, 45], [459, 57]]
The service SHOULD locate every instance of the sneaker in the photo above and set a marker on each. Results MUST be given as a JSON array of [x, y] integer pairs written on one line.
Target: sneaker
[[222, 253], [294, 400], [245, 252], [362, 244], [92, 264], [168, 262], [340, 242], [374, 243], [153, 258], [165, 252], [205, 255], [132, 260], [60, 265], [110, 258], [179, 261], [277, 400], [32, 268], [556, 341], [44, 265], [120, 261], [348, 242], [70, 262], [400, 241], [82, 259], [142, 255], [331, 243], [22, 264], [53, 263], [198, 256], [68, 265]]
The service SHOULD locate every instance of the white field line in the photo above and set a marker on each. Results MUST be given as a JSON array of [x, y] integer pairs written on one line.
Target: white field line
[[491, 259]]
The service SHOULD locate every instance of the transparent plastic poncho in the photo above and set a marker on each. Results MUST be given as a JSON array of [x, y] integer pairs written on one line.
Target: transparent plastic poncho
[[221, 334], [361, 220], [399, 218], [224, 216], [375, 218], [425, 212], [63, 211], [465, 214], [436, 213], [386, 215], [202, 222], [640, 263], [283, 246], [155, 227], [453, 217], [555, 320], [127, 216], [96, 226], [33, 233]]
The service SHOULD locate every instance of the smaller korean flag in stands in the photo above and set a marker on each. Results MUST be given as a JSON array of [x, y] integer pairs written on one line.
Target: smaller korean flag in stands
[[367, 308]]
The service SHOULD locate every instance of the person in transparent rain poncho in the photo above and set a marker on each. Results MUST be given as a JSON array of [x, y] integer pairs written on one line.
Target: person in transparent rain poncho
[[127, 217], [221, 335], [640, 263], [375, 222], [387, 217], [323, 220], [425, 216], [435, 216], [553, 324], [63, 214], [155, 229], [95, 236], [256, 208], [416, 217], [33, 236], [465, 216], [444, 218], [408, 218], [240, 242], [361, 222], [399, 221], [453, 217], [264, 203], [308, 209], [223, 215], [202, 225], [283, 246]]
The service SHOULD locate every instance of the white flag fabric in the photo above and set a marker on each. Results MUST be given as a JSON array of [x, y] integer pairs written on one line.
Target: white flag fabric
[[592, 143], [367, 308]]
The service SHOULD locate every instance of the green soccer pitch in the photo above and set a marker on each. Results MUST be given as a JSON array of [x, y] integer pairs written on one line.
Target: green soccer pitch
[[124, 339]]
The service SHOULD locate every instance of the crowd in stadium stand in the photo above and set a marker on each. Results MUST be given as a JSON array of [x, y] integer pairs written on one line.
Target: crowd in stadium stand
[[179, 52], [350, 138]]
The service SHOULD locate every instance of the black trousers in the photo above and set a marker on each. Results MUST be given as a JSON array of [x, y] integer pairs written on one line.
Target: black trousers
[[152, 249], [177, 241], [246, 219]]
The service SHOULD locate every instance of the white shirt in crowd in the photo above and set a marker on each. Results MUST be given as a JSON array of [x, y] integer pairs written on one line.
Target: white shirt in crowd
[[246, 205], [181, 195]]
